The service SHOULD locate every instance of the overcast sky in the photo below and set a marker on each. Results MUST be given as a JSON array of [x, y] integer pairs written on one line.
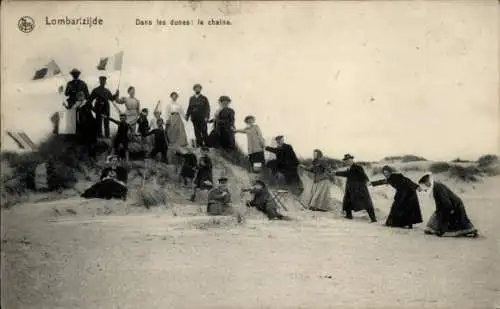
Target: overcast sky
[[370, 78]]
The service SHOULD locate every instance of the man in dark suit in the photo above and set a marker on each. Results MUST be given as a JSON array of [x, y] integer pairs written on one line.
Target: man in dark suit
[[199, 112], [356, 197], [73, 87], [286, 163], [102, 96]]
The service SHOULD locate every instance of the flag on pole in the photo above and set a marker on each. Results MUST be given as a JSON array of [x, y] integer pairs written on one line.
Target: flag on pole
[[49, 70], [22, 140], [113, 63]]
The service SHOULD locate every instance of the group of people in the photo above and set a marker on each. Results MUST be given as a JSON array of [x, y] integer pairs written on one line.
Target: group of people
[[449, 219], [168, 130]]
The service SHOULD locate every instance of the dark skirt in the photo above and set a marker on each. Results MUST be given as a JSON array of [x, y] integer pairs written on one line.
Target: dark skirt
[[257, 157], [106, 189], [357, 197], [456, 225], [201, 179], [405, 210], [188, 171]]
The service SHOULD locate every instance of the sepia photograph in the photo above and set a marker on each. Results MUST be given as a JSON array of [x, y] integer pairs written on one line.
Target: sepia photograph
[[250, 154]]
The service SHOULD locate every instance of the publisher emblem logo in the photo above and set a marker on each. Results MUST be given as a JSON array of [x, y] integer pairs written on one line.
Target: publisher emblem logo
[[26, 24]]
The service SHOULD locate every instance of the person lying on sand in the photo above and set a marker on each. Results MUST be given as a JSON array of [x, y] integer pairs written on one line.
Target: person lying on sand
[[450, 218], [263, 201], [113, 183], [219, 199]]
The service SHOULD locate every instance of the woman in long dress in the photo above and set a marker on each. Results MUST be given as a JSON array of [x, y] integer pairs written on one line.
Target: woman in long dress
[[113, 183], [133, 107], [405, 210], [320, 193], [176, 131], [256, 143], [450, 218]]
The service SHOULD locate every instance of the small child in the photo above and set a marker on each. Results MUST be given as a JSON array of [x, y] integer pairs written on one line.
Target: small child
[[188, 169], [143, 128], [204, 178], [160, 141], [121, 140], [256, 142], [143, 123], [154, 121]]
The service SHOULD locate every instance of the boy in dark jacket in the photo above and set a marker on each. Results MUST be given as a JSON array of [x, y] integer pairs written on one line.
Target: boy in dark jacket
[[121, 140], [160, 141]]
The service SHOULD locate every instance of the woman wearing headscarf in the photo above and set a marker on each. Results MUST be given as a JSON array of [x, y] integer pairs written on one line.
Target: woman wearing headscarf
[[175, 126], [450, 217], [405, 210], [133, 107], [320, 191]]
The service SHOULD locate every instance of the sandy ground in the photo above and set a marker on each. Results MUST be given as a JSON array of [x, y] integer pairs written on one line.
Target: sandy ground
[[96, 254]]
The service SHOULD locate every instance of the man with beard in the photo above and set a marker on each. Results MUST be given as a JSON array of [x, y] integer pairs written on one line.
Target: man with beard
[[199, 112]]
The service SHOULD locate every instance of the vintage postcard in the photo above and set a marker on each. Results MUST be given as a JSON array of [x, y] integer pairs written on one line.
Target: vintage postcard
[[250, 154]]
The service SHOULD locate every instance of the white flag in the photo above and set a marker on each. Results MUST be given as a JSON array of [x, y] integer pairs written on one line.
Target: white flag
[[113, 63]]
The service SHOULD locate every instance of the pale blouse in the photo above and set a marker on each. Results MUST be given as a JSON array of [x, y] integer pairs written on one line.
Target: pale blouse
[[174, 107], [132, 106], [255, 140]]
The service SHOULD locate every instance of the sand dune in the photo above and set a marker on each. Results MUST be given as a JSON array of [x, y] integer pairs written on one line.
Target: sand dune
[[75, 253]]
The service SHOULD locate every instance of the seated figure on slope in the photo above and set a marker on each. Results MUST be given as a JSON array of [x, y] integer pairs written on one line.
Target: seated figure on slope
[[113, 183], [219, 199], [263, 201]]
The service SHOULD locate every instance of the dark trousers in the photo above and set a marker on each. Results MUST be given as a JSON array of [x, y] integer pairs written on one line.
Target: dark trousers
[[200, 131], [102, 110], [370, 211], [290, 173], [162, 150]]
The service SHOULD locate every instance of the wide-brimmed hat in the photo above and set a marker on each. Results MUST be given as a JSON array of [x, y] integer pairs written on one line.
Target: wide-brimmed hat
[[74, 72], [347, 156], [223, 180], [224, 98], [248, 118], [279, 137]]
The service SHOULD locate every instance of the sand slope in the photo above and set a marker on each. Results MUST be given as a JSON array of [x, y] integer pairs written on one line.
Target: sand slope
[[75, 253]]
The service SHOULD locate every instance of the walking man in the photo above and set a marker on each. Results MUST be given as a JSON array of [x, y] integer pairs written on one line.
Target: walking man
[[199, 112], [356, 197]]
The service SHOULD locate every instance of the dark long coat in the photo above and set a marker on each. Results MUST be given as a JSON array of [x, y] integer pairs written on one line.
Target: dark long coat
[[405, 209], [356, 197], [450, 214]]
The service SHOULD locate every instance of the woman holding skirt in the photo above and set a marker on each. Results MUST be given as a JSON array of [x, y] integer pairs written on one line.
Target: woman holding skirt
[[320, 192], [450, 218], [405, 210], [176, 131]]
